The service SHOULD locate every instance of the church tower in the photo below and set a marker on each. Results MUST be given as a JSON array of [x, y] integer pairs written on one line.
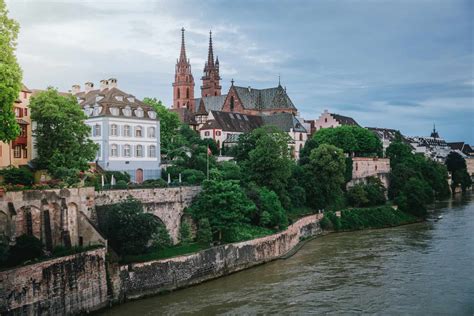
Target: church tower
[[183, 86], [211, 79]]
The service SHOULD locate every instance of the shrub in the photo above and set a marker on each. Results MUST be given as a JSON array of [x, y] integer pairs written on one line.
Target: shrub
[[377, 217], [69, 176], [357, 195], [325, 223], [416, 194], [185, 233], [121, 184], [154, 183], [204, 234], [192, 176], [20, 175], [118, 176], [27, 247], [161, 238]]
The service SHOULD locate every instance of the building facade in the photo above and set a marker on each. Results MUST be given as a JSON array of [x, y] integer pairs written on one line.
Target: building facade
[[18, 152], [328, 120], [126, 130]]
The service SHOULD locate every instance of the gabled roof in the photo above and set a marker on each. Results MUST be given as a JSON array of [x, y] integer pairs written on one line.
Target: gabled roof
[[264, 99], [213, 103], [233, 122], [461, 146], [344, 120], [284, 121]]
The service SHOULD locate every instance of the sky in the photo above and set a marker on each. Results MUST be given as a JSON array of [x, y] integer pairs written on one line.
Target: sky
[[403, 64]]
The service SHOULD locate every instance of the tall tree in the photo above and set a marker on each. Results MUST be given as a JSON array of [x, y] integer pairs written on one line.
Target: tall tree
[[169, 123], [62, 138], [456, 164], [10, 75], [324, 177]]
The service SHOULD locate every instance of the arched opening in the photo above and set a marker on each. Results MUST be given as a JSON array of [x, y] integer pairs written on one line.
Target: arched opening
[[161, 239], [232, 103], [179, 94], [139, 176], [187, 93], [28, 221]]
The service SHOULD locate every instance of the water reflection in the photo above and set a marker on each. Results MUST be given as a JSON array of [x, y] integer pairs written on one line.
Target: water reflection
[[419, 269]]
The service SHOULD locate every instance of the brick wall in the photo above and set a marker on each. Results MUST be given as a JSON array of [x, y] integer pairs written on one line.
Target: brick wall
[[68, 285]]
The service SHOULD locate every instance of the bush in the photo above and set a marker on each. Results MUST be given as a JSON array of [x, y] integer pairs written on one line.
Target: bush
[[21, 175], [378, 217], [414, 197], [325, 223], [121, 184], [204, 234], [118, 176], [357, 195], [370, 194], [27, 247], [69, 176], [185, 233], [192, 176], [161, 238], [154, 183]]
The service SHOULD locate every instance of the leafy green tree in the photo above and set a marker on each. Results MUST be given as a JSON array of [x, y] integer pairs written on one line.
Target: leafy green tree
[[62, 138], [272, 212], [357, 196], [353, 140], [185, 233], [26, 248], [375, 191], [456, 164], [10, 76], [415, 196], [169, 123], [324, 177], [225, 205], [21, 175], [161, 238], [204, 233], [398, 152], [127, 227], [230, 170]]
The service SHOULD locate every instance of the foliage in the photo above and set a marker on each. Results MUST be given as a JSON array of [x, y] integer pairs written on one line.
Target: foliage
[[27, 247], [118, 176], [324, 177], [357, 195], [414, 197], [461, 177], [229, 170], [10, 76], [161, 238], [454, 161], [127, 227], [456, 164], [325, 223], [204, 233], [121, 185], [169, 123], [398, 152], [185, 233], [21, 175], [272, 213], [378, 217], [154, 183], [353, 140], [295, 189], [225, 205], [62, 138], [191, 176]]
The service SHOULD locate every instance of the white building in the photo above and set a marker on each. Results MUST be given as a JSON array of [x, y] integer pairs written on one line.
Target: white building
[[126, 130]]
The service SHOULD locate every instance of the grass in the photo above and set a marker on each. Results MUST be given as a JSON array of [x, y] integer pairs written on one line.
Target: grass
[[165, 253]]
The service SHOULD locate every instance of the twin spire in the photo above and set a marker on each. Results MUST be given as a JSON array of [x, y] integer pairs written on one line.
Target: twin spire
[[210, 55]]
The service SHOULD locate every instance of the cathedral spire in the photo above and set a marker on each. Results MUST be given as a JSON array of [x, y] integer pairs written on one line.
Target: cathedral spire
[[182, 55], [210, 55]]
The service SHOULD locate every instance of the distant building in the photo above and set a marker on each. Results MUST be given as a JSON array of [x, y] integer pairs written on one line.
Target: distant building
[[462, 147], [387, 136], [18, 152], [328, 120], [433, 147], [126, 130]]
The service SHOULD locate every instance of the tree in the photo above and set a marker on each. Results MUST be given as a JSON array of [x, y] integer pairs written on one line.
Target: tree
[[161, 238], [269, 204], [127, 227], [204, 233], [230, 170], [62, 138], [185, 233], [324, 177], [169, 123], [398, 152], [357, 196], [415, 196], [353, 140], [456, 164], [225, 205], [21, 175], [10, 76]]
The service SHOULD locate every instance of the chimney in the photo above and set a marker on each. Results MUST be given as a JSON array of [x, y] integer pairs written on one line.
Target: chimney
[[88, 86], [103, 84], [75, 89], [112, 83]]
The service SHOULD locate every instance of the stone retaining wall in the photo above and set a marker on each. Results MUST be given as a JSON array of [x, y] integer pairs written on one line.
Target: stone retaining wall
[[68, 285], [141, 279]]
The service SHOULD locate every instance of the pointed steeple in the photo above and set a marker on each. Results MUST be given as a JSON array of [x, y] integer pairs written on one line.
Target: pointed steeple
[[182, 55], [210, 54]]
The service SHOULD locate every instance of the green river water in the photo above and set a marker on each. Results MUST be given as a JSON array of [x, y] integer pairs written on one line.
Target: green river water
[[419, 269]]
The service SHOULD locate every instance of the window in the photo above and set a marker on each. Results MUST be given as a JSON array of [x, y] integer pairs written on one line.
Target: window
[[138, 131], [25, 112], [139, 112], [218, 133], [152, 151], [96, 130], [139, 151], [126, 150], [114, 150], [151, 132], [187, 93], [357, 166], [325, 120], [25, 152], [215, 94], [17, 112], [114, 111], [126, 131], [152, 114], [127, 111], [23, 131], [301, 136], [375, 167], [17, 151], [113, 130], [232, 103], [179, 94], [207, 133]]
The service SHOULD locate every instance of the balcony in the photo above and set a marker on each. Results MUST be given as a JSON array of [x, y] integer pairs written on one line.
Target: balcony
[[20, 140]]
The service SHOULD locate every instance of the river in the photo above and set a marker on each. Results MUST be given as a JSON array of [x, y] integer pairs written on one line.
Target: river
[[419, 269]]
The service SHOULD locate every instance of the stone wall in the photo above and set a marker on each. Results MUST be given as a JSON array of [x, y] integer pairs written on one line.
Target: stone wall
[[68, 285], [141, 279], [167, 204], [364, 167], [50, 215]]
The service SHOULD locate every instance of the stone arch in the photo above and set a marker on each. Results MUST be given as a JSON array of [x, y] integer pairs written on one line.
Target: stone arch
[[28, 221], [71, 223], [4, 225]]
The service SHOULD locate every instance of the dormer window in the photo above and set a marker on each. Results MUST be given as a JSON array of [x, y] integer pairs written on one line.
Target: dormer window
[[97, 110], [98, 98], [139, 112], [127, 111], [114, 111], [131, 99], [152, 114], [119, 98], [88, 110]]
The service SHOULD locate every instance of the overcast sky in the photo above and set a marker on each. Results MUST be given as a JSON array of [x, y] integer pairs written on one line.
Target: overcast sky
[[396, 64]]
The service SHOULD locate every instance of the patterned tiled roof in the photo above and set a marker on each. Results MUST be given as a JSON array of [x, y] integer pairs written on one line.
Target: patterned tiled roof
[[284, 121], [344, 120], [233, 122], [213, 103], [263, 99]]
